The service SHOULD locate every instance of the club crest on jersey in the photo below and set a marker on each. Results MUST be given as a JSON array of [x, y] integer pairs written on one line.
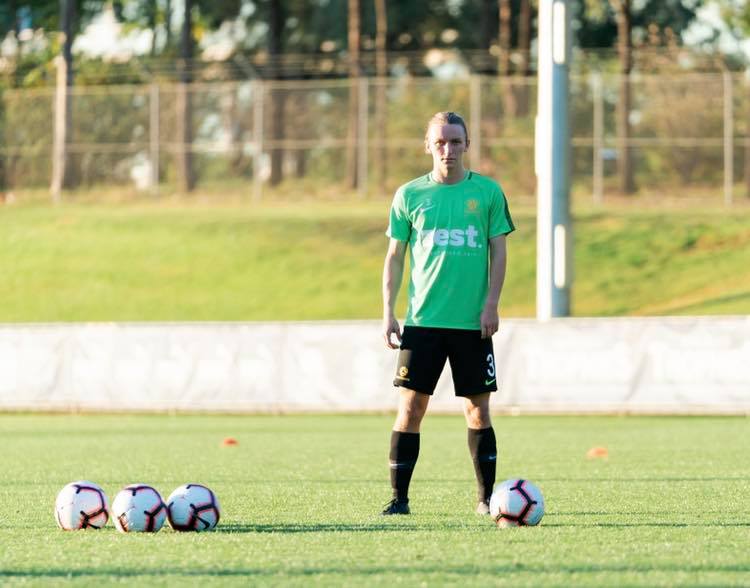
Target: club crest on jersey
[[472, 205]]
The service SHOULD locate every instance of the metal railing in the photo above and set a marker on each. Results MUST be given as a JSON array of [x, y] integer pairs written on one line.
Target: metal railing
[[689, 134]]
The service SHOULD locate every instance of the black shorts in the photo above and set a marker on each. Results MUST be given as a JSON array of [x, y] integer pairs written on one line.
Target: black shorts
[[425, 349]]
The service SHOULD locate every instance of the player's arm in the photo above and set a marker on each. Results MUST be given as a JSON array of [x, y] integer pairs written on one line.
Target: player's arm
[[490, 319], [393, 272]]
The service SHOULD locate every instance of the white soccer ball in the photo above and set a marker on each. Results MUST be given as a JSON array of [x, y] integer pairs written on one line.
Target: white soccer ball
[[81, 505], [193, 507], [517, 503], [138, 508]]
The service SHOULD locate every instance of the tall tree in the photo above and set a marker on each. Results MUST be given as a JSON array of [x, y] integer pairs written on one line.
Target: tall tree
[[353, 37], [168, 23], [276, 21], [486, 17], [8, 22], [505, 29], [9, 17], [737, 16], [62, 167], [67, 17], [524, 52], [625, 54], [185, 172], [152, 12], [602, 24], [524, 35], [381, 104], [68, 27], [504, 13]]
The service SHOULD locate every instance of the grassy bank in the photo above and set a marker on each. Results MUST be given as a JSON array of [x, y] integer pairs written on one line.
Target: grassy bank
[[191, 261]]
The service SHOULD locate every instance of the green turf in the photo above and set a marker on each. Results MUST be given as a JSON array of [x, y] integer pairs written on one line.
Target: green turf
[[300, 496], [192, 261]]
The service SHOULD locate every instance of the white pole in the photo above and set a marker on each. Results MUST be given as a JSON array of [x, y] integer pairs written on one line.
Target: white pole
[[728, 139], [554, 240]]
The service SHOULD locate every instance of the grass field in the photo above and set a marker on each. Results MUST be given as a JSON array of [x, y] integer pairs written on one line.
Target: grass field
[[301, 261], [300, 497]]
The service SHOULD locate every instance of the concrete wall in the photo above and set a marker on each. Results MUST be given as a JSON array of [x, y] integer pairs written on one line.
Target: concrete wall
[[654, 365]]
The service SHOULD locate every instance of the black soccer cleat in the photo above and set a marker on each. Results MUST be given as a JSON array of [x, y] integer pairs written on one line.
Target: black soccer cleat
[[396, 507]]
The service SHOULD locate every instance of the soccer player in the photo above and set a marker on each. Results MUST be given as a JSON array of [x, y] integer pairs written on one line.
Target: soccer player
[[454, 222]]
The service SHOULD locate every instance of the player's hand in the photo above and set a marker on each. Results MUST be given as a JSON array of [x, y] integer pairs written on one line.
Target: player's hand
[[391, 327], [489, 321]]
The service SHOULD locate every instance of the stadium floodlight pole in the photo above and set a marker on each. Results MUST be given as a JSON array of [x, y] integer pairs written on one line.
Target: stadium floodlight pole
[[552, 163]]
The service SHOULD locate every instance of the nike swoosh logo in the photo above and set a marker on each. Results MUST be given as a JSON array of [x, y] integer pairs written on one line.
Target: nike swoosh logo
[[488, 382]]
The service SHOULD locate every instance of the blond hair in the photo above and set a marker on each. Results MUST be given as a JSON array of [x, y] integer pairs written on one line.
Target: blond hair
[[446, 118]]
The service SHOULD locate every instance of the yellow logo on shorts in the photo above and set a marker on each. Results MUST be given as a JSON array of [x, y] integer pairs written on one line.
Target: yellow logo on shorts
[[472, 205], [403, 371]]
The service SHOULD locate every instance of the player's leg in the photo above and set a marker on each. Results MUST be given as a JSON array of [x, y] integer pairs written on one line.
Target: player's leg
[[411, 410], [475, 378], [419, 365], [405, 447], [482, 446]]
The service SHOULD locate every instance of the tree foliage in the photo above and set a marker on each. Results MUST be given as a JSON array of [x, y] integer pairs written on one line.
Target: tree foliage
[[736, 14], [414, 25], [595, 20], [319, 28]]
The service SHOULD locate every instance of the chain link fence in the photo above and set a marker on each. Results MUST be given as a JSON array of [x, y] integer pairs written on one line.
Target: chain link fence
[[689, 135]]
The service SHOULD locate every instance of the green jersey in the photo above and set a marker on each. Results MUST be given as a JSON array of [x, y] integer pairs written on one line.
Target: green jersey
[[448, 228]]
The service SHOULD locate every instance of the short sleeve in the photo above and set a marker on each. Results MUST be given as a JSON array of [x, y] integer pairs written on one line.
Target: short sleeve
[[501, 222], [399, 225]]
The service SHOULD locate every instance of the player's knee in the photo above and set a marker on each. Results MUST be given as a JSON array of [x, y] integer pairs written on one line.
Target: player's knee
[[478, 417], [413, 414], [482, 422], [410, 416], [406, 425], [478, 423]]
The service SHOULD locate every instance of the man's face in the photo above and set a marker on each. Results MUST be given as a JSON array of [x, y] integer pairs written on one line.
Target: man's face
[[446, 144]]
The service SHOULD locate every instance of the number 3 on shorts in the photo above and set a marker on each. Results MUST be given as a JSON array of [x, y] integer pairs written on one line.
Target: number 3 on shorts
[[491, 369]]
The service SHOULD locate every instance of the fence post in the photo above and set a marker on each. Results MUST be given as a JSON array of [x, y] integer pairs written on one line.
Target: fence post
[[728, 139], [258, 91], [154, 136], [363, 147], [598, 138], [475, 122]]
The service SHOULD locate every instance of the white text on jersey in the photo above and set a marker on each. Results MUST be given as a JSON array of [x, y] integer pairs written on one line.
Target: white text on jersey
[[453, 237]]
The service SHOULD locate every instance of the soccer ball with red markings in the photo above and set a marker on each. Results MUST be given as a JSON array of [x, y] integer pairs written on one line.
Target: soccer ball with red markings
[[517, 503], [193, 507], [81, 505], [138, 508]]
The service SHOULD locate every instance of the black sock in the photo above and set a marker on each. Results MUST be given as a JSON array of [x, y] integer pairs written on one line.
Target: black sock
[[483, 450], [403, 458]]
